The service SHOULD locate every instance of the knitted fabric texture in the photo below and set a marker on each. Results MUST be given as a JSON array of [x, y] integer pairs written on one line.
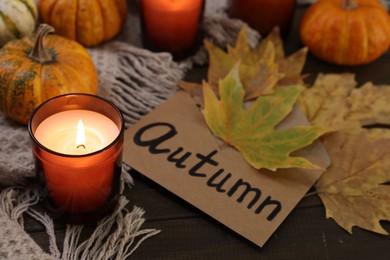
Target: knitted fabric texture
[[16, 163], [137, 81], [134, 79], [105, 242], [15, 244]]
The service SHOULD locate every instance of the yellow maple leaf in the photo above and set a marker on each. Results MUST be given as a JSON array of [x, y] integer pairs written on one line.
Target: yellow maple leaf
[[334, 101], [352, 188], [369, 104], [252, 130], [378, 133], [325, 102]]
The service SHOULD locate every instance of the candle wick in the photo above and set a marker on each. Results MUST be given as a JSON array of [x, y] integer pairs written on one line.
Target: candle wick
[[80, 145]]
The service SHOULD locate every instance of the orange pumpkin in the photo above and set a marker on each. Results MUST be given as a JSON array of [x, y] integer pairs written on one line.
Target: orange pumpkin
[[346, 32], [32, 72], [90, 22]]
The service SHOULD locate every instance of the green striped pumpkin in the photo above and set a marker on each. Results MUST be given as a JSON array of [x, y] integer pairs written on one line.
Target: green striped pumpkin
[[18, 18]]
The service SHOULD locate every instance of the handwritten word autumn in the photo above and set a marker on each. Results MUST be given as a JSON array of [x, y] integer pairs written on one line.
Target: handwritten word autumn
[[221, 181]]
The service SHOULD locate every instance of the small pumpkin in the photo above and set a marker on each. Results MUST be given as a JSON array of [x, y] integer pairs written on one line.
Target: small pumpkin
[[18, 18], [346, 32], [90, 22], [33, 71]]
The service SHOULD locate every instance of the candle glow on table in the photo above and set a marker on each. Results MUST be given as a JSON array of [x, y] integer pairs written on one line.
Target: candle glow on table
[[77, 146], [171, 25]]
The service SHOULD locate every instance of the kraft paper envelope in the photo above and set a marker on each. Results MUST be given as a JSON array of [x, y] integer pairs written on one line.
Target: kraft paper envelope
[[174, 147]]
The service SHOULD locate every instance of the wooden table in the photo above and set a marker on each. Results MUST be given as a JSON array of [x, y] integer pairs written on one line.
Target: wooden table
[[187, 233]]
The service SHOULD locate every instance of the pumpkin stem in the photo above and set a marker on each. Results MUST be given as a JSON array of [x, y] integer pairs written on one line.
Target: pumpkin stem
[[349, 5], [38, 53]]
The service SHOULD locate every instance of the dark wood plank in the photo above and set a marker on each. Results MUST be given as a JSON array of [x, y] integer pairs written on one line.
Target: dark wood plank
[[306, 234]]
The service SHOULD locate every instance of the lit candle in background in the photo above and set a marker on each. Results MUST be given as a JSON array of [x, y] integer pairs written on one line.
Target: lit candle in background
[[171, 25], [264, 15], [77, 145]]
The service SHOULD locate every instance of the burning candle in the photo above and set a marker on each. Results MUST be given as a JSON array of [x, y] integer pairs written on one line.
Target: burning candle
[[264, 15], [77, 145], [172, 25], [65, 133]]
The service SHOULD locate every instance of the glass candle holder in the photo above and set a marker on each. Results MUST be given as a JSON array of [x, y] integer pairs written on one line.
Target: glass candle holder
[[264, 15], [77, 142], [172, 25]]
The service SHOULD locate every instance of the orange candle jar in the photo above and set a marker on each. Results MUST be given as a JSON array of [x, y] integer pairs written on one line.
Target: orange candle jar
[[77, 147], [172, 25], [264, 15]]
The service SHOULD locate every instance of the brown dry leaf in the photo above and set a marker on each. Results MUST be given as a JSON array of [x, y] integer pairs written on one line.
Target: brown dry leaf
[[258, 70], [261, 68], [352, 189], [325, 102], [378, 133], [292, 66], [369, 105], [276, 40], [334, 101]]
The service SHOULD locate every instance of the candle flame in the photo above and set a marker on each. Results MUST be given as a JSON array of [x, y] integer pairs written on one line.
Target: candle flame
[[80, 137]]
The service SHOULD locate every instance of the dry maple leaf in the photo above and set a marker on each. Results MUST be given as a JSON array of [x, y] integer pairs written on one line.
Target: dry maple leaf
[[378, 133], [369, 105], [261, 68], [325, 102], [258, 69], [334, 101], [252, 130], [290, 67], [352, 188]]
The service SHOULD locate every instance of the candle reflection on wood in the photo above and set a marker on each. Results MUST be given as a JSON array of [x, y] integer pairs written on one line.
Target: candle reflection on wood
[[81, 175], [171, 25]]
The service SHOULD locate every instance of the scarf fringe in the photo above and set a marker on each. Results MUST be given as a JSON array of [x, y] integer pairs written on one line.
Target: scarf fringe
[[139, 81], [116, 236]]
